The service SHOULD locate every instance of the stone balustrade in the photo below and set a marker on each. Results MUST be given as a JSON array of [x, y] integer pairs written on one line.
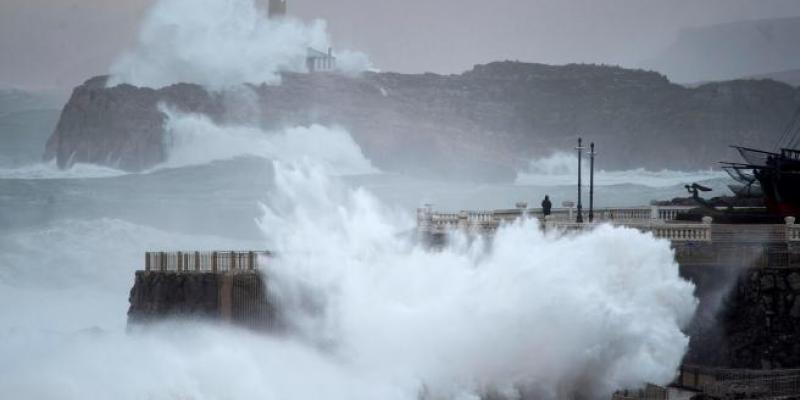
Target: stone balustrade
[[659, 220], [426, 216], [203, 261], [792, 230], [674, 232]]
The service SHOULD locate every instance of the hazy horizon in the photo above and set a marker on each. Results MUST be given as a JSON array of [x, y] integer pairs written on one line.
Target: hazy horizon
[[58, 46]]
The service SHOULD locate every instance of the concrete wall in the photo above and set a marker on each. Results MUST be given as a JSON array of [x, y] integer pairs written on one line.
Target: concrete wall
[[240, 298]]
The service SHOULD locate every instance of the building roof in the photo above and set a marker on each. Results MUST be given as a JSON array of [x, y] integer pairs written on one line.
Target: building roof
[[314, 53]]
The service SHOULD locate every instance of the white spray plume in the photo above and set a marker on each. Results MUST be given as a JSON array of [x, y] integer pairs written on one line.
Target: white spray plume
[[193, 139], [561, 168], [550, 315], [221, 43], [372, 314]]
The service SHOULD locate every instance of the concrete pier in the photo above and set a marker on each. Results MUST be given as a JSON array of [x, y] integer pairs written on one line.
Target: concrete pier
[[222, 286]]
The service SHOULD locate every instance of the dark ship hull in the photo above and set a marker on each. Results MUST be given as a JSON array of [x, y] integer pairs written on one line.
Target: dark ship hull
[[776, 175]]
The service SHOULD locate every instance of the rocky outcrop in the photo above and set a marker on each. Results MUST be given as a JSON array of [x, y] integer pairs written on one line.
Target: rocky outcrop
[[750, 319], [487, 122]]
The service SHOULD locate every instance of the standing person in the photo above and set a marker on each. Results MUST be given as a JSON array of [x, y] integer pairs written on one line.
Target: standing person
[[546, 205]]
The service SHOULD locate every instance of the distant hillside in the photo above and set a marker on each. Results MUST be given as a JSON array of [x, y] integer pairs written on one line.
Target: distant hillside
[[791, 77], [731, 50], [484, 123]]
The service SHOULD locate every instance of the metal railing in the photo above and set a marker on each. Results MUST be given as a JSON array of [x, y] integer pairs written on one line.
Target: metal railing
[[203, 261]]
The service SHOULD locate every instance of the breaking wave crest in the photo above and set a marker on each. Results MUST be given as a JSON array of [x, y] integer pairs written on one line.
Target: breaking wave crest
[[49, 170], [562, 169], [372, 313], [524, 313], [193, 139]]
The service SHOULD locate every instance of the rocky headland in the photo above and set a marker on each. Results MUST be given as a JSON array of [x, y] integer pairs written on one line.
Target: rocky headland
[[486, 123]]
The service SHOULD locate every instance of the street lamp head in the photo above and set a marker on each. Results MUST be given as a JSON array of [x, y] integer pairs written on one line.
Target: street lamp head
[[580, 144]]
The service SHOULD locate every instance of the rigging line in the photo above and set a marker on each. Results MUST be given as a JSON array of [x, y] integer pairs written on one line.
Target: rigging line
[[789, 128], [794, 132], [795, 141], [795, 137]]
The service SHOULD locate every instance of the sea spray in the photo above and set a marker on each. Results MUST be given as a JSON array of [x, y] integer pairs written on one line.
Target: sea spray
[[194, 139], [371, 312], [561, 168], [221, 43], [538, 313]]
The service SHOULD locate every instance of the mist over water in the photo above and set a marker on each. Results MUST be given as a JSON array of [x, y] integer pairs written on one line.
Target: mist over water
[[219, 44]]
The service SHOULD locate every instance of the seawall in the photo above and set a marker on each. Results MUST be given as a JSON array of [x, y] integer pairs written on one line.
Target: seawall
[[238, 297]]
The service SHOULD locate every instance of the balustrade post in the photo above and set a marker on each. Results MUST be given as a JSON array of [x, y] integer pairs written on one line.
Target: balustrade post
[[147, 261], [463, 221]]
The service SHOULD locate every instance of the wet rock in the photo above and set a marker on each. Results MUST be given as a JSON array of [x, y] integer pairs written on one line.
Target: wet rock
[[484, 123], [794, 281], [767, 282]]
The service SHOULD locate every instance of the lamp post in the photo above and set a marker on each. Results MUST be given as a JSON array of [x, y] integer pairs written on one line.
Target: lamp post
[[580, 159], [591, 182]]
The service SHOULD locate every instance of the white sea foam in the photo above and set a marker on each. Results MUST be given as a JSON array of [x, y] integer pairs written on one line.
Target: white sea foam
[[222, 43], [557, 315], [49, 170], [562, 169], [193, 139]]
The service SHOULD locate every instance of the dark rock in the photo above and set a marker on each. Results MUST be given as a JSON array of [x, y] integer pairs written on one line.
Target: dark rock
[[767, 282], [795, 311], [756, 326], [794, 281], [484, 123]]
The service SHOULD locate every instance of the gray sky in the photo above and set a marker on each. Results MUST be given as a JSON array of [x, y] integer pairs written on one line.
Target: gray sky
[[60, 43]]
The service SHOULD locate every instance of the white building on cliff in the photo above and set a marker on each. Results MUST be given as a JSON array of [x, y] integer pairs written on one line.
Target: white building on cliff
[[316, 61]]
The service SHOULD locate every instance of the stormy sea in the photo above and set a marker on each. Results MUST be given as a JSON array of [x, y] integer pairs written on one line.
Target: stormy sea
[[373, 314]]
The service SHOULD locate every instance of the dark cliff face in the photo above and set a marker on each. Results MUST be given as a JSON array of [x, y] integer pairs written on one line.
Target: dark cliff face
[[485, 123], [747, 318]]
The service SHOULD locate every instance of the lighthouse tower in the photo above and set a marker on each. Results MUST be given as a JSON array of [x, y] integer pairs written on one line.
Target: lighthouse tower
[[276, 8]]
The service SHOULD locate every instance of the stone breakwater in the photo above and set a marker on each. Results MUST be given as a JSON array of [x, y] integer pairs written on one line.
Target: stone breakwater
[[486, 123], [240, 298]]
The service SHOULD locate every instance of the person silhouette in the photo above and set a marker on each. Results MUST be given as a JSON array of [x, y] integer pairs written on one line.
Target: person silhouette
[[546, 205]]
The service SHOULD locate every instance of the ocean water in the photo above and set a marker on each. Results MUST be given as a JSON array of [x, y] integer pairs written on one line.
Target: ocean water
[[399, 321], [372, 313]]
